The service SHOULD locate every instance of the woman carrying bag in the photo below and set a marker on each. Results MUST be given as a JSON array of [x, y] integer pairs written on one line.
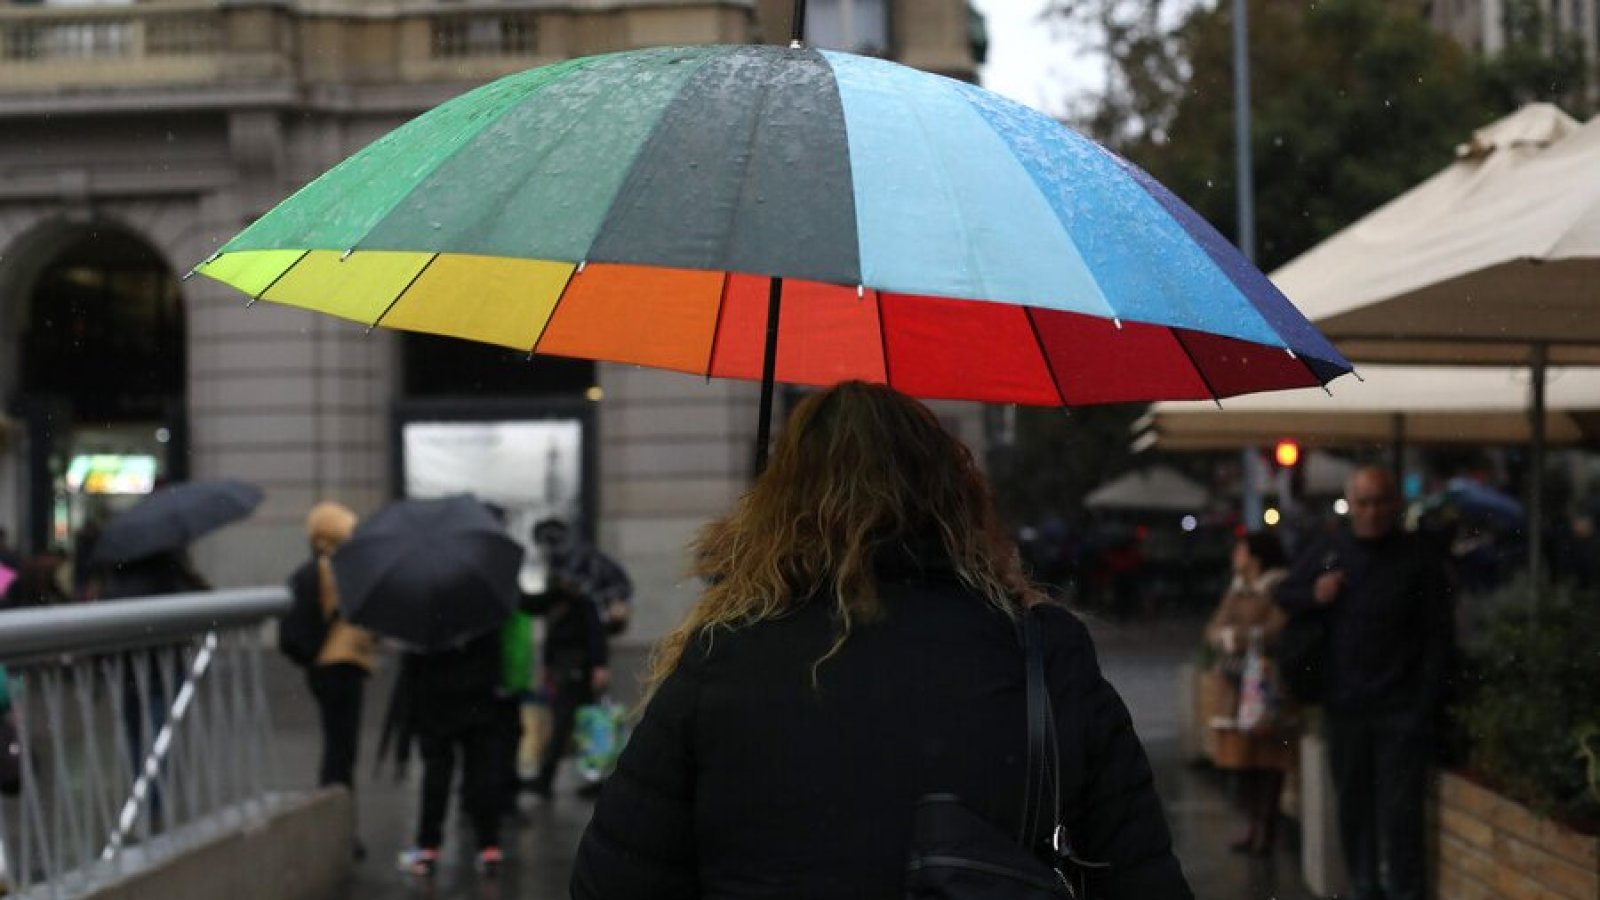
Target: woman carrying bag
[[854, 659], [1255, 742]]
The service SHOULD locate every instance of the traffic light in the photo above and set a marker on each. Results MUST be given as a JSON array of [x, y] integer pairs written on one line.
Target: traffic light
[[1287, 454]]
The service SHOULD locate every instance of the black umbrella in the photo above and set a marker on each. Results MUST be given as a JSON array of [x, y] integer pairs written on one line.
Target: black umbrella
[[430, 573], [173, 517]]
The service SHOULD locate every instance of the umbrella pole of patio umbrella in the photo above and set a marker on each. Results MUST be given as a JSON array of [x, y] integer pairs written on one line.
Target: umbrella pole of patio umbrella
[[769, 368], [1539, 362], [1397, 447], [797, 24]]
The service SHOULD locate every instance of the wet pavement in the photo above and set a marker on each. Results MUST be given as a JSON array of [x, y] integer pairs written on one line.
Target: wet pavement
[[1140, 659]]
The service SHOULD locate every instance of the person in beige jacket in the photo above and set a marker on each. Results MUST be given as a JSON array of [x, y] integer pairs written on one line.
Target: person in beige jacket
[[1249, 614], [338, 676]]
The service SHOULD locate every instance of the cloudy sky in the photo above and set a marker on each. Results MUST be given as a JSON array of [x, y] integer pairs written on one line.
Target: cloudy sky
[[1041, 65]]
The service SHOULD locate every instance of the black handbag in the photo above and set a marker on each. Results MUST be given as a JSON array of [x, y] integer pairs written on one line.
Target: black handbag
[[1302, 655], [958, 855]]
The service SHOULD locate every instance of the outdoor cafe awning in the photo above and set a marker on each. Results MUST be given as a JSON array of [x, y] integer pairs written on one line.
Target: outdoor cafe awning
[[1494, 255], [1417, 404]]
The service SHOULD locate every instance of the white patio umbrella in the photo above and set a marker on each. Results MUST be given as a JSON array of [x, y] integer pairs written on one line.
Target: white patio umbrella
[[1157, 488], [1495, 260], [1434, 405]]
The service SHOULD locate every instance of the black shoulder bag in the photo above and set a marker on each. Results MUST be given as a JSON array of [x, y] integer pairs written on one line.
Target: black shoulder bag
[[304, 628], [1302, 655], [958, 855]]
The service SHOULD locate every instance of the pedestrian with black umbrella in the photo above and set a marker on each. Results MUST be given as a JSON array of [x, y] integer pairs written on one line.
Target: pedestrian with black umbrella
[[440, 576], [143, 552]]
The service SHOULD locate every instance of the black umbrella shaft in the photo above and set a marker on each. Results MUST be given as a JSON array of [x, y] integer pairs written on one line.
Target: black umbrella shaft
[[1538, 364], [797, 22], [769, 369]]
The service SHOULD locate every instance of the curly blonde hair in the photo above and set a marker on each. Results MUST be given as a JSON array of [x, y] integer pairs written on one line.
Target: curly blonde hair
[[861, 471]]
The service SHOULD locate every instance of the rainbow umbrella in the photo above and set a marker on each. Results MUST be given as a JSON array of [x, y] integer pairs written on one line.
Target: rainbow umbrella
[[663, 207]]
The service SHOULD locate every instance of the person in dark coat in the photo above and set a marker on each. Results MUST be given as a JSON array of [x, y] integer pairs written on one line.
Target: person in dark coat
[[150, 679], [856, 648], [1391, 637], [452, 707], [338, 675], [588, 571], [576, 668]]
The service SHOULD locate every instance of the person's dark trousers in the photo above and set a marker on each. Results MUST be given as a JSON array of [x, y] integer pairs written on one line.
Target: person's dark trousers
[[1380, 773], [477, 740], [338, 689], [509, 717], [163, 673], [573, 690]]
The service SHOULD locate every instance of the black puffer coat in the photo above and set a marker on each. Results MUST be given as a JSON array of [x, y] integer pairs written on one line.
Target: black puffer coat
[[745, 781]]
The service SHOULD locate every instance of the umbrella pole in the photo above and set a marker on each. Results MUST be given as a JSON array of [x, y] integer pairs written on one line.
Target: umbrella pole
[[797, 24], [769, 367], [1541, 359], [1397, 447]]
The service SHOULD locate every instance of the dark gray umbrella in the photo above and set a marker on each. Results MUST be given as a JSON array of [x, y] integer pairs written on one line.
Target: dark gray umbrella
[[430, 573], [173, 517]]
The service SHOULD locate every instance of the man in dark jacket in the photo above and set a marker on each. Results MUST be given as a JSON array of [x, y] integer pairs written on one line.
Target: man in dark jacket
[[1387, 599]]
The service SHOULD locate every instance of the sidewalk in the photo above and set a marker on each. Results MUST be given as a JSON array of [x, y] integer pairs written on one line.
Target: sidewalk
[[1140, 659]]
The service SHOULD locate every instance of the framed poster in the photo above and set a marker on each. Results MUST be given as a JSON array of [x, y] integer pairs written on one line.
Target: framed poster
[[534, 465]]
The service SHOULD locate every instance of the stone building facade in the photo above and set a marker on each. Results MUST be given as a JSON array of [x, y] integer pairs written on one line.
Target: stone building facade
[[1480, 25], [136, 137]]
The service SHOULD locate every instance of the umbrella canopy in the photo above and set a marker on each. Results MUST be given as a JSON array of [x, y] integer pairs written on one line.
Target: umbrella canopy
[[664, 207], [429, 573], [1495, 255], [1415, 404], [173, 517], [1158, 488], [1473, 498]]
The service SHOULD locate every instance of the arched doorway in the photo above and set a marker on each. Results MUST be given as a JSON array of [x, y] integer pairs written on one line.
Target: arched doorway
[[100, 376]]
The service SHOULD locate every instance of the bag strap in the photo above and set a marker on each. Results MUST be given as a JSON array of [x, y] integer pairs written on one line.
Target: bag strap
[[1042, 789], [1042, 800]]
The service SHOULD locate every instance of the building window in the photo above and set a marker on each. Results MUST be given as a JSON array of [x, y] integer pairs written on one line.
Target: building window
[[857, 26], [71, 40], [184, 35], [494, 34]]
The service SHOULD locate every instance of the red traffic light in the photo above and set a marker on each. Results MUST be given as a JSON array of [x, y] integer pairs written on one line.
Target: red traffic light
[[1287, 453]]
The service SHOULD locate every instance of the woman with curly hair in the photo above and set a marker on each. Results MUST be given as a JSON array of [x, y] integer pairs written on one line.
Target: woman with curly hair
[[856, 648]]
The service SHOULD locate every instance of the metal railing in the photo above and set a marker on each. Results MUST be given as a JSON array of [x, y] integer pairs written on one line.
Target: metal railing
[[142, 727]]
